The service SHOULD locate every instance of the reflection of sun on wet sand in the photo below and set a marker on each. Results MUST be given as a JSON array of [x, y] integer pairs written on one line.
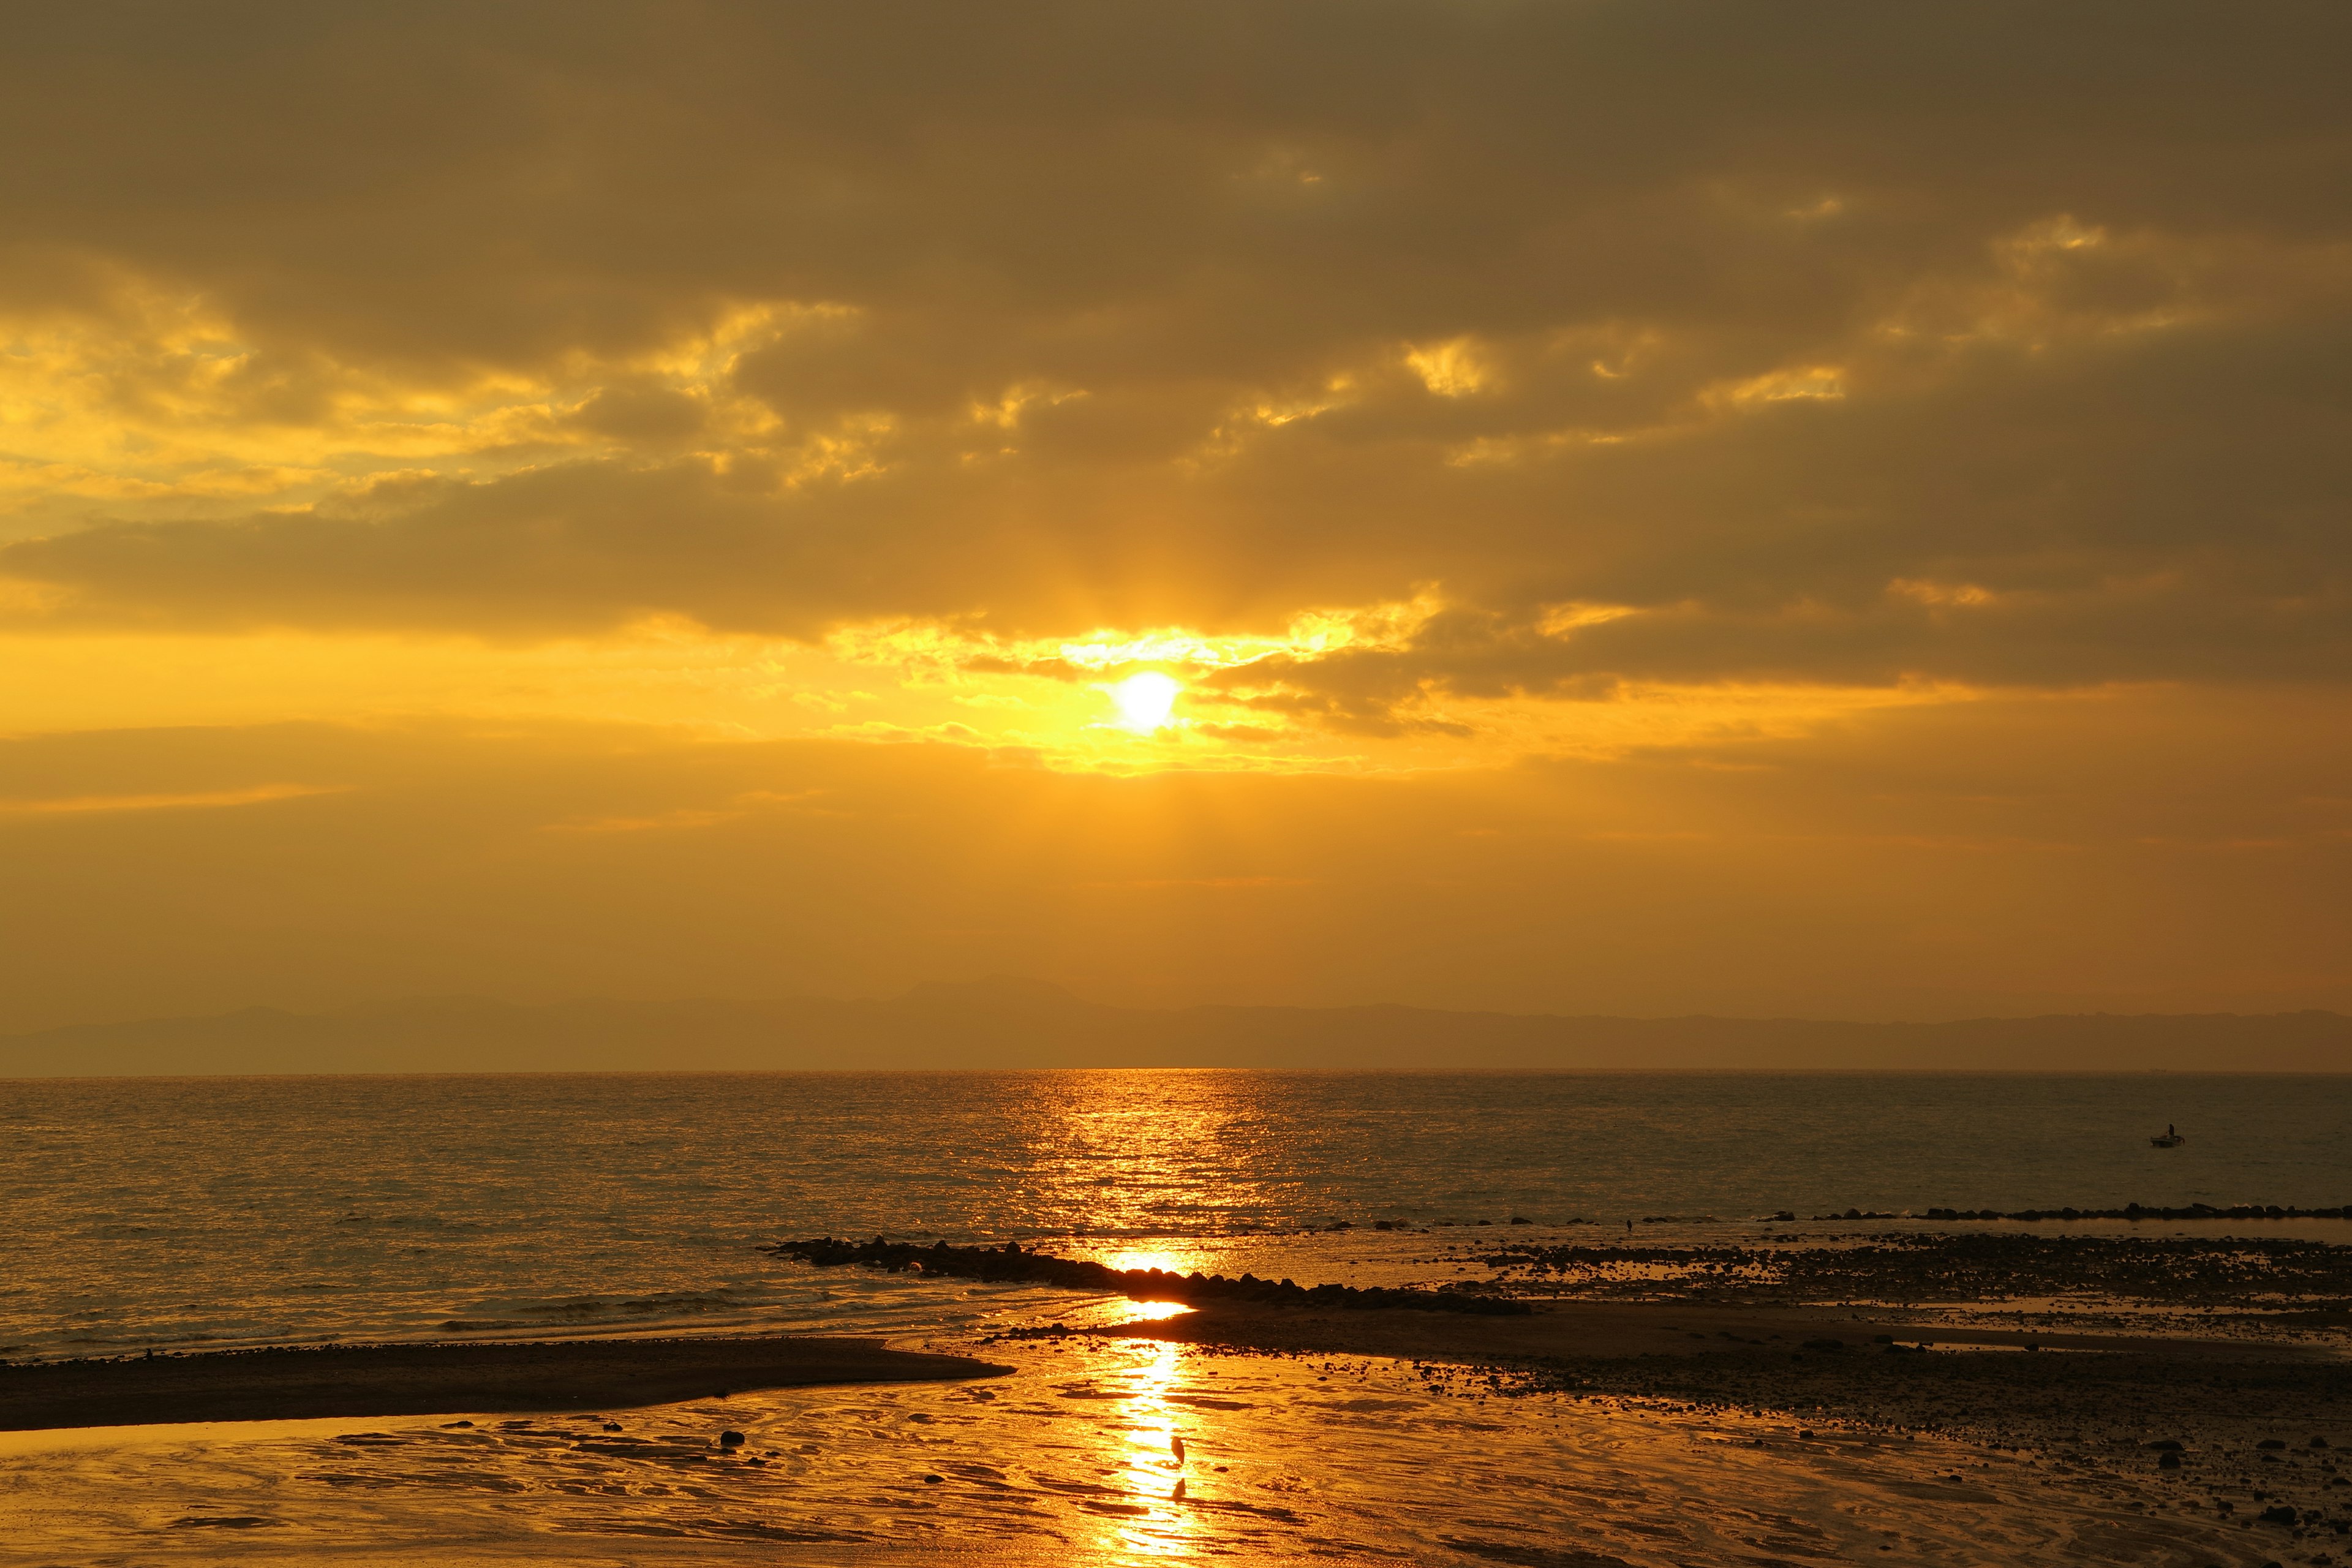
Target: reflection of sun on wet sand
[[1107, 1452], [2207, 1422], [1602, 1433]]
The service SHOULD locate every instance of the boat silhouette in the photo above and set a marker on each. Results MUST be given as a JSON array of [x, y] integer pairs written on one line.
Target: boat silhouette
[[2170, 1138]]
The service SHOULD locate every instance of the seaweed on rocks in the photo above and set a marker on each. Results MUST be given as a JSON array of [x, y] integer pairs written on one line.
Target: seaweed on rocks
[[2240, 1273], [1012, 1264], [2129, 1212]]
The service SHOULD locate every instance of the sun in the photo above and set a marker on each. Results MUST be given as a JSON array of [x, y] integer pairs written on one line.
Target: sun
[[1145, 700]]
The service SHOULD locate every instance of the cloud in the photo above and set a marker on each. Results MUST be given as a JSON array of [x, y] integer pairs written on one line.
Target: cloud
[[1999, 346], [79, 805]]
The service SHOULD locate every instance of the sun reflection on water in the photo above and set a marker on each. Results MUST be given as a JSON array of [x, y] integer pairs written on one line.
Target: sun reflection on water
[[1154, 1312], [1149, 1155], [1168, 1261]]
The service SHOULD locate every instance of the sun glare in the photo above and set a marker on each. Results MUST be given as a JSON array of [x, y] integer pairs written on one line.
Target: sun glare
[[1155, 1312], [1146, 700]]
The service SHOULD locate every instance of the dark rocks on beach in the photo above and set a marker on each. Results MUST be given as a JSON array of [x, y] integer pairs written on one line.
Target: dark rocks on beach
[[290, 1382], [731, 1440], [2286, 1273], [1010, 1264], [2133, 1212]]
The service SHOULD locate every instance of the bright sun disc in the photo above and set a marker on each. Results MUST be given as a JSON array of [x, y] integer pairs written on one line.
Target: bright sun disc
[[1145, 700]]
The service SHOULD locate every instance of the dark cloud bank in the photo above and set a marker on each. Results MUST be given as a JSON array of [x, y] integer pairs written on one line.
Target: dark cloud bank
[[1845, 343]]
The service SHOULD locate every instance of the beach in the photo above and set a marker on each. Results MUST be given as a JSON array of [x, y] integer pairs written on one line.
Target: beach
[[1139, 1318], [1573, 1434]]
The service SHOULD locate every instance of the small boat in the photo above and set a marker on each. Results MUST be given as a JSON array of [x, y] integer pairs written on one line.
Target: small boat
[[2170, 1138]]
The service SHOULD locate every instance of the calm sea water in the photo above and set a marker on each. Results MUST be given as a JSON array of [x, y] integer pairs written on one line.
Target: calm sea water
[[203, 1212]]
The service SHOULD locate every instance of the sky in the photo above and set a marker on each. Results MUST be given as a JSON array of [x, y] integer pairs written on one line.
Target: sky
[[1837, 510]]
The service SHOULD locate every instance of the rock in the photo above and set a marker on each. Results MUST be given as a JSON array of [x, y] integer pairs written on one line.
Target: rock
[[2319, 1442], [2280, 1516], [731, 1440], [2168, 1462], [1011, 1264], [933, 1480], [2271, 1443]]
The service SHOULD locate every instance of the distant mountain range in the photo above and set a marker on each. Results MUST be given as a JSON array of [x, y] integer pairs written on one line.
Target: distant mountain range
[[1012, 1024]]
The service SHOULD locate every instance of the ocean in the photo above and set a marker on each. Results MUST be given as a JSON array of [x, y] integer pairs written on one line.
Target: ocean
[[210, 1213]]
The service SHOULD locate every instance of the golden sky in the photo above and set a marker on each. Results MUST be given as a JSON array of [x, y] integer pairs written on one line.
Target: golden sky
[[1563, 507]]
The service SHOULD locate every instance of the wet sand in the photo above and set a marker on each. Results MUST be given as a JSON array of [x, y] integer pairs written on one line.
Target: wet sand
[[2245, 1433], [1597, 1433], [290, 1384], [1126, 1452]]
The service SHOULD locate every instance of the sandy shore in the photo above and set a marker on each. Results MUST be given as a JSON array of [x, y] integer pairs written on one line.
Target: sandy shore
[[297, 1383], [2234, 1430]]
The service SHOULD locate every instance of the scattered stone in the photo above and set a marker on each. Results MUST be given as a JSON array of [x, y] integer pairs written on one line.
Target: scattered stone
[[2285, 1273], [731, 1440], [1010, 1263], [2140, 1212]]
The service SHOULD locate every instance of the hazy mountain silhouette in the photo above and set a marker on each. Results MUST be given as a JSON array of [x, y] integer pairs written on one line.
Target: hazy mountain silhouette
[[1012, 1023]]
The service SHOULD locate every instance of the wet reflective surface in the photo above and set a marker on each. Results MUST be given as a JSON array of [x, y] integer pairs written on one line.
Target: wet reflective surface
[[1122, 1452], [213, 1212], [202, 1214]]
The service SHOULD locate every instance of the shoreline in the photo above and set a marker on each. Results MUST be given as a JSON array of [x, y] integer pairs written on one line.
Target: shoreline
[[1683, 1330], [2233, 1430], [441, 1378]]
